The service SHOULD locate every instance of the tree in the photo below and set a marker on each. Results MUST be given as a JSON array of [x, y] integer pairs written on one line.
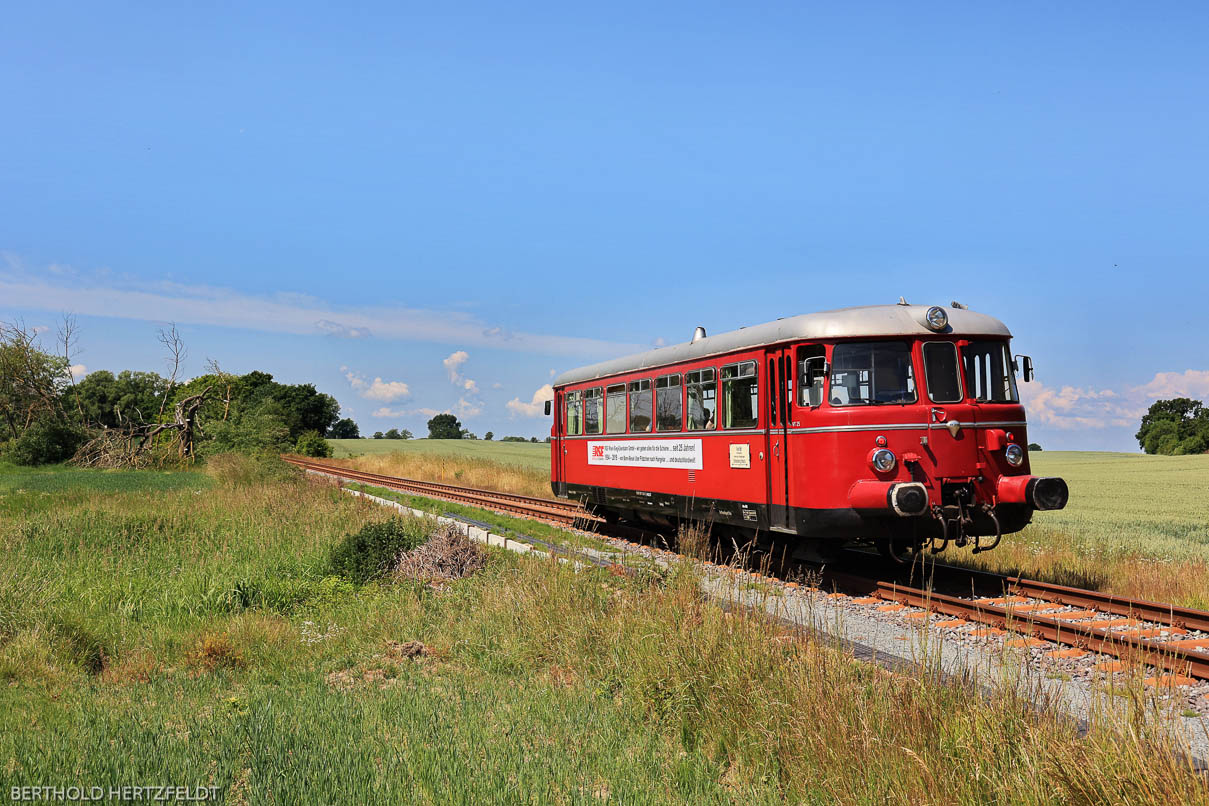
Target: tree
[[379, 435], [489, 436], [47, 440], [305, 409], [344, 429], [444, 426], [533, 439], [32, 382], [1034, 447], [394, 434], [405, 434], [468, 434], [113, 402], [311, 444], [1175, 427]]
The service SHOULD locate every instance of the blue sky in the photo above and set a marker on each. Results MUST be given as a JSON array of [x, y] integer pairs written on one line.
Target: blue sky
[[340, 196]]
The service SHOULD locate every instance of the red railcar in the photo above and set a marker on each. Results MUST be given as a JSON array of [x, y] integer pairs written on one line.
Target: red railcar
[[892, 424]]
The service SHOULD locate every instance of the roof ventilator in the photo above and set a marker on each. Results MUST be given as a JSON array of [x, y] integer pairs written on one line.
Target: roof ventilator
[[698, 335]]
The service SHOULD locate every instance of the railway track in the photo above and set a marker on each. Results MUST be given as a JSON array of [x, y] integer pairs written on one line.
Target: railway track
[[548, 509], [1133, 630]]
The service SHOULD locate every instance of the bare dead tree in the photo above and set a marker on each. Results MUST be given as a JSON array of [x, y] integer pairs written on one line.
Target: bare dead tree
[[152, 443], [67, 342], [226, 381], [171, 339]]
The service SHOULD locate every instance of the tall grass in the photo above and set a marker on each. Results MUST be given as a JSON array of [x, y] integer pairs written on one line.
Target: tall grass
[[465, 471], [194, 636]]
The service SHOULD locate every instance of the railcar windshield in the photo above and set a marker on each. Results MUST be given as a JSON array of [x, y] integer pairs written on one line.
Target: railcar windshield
[[872, 373], [940, 371], [989, 375]]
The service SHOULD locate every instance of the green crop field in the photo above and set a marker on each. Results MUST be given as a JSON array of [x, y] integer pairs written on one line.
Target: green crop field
[[527, 454]]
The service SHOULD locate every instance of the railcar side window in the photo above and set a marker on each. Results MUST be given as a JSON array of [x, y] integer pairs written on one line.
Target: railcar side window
[[702, 388], [575, 423], [872, 373], [740, 393], [811, 372], [940, 370], [669, 405], [593, 404], [615, 409], [989, 375], [640, 405]]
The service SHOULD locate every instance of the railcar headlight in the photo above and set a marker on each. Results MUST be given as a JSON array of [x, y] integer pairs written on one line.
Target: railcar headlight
[[937, 318], [883, 460], [1014, 454]]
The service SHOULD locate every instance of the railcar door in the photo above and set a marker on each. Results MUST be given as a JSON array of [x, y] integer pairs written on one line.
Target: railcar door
[[778, 374], [558, 445]]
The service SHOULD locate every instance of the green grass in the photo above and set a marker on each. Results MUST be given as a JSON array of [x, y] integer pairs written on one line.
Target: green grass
[[527, 454], [193, 635], [505, 523]]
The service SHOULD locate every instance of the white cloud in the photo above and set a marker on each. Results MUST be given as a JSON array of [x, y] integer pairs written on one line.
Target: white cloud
[[1072, 408], [463, 408], [1189, 383], [39, 329], [377, 389], [497, 385], [659, 342], [453, 364], [467, 408], [342, 331], [536, 407], [386, 390], [58, 288], [387, 412], [553, 372], [78, 371]]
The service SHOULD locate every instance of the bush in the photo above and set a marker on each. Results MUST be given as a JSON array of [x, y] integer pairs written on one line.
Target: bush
[[46, 441], [311, 444], [254, 433], [240, 470], [1034, 447], [374, 551]]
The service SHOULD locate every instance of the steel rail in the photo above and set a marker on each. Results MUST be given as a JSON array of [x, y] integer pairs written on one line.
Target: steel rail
[[558, 511], [996, 584], [1083, 636], [1184, 617], [550, 502]]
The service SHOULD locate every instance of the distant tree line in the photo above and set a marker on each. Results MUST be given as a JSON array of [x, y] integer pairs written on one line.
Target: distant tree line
[[393, 433], [1175, 427]]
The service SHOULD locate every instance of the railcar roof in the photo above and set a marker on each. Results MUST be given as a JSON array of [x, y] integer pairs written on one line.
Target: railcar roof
[[844, 323]]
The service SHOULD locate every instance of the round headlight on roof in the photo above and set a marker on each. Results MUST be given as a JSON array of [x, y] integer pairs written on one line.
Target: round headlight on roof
[[936, 318]]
